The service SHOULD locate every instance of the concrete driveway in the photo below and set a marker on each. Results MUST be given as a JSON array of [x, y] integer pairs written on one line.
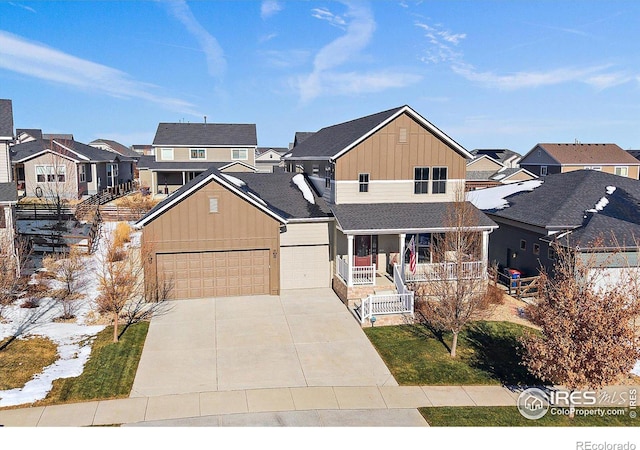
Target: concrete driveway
[[298, 339]]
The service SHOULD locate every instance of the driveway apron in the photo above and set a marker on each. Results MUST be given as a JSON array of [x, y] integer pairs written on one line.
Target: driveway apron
[[297, 339]]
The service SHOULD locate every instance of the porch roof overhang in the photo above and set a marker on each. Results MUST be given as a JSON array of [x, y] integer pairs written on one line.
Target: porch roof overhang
[[394, 218]]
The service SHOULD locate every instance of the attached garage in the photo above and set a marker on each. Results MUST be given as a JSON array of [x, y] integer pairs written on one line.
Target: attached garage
[[304, 256], [216, 274]]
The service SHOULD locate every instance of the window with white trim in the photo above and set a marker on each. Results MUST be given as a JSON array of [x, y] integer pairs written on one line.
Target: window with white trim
[[421, 180], [45, 174], [166, 154], [198, 153], [623, 171], [439, 180], [543, 171], [82, 173], [593, 167], [62, 174], [363, 181], [239, 154]]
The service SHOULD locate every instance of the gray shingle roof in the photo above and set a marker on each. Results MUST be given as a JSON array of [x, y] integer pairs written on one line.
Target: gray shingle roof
[[498, 154], [8, 193], [116, 147], [280, 194], [399, 216], [561, 200], [206, 134], [330, 140], [6, 118], [25, 150]]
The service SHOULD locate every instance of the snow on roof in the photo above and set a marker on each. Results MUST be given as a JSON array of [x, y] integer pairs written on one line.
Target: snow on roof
[[234, 180], [304, 187], [611, 189], [600, 205], [494, 197]]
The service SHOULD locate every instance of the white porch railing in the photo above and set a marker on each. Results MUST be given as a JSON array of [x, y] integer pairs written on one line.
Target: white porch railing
[[398, 281], [446, 271], [359, 276], [386, 304]]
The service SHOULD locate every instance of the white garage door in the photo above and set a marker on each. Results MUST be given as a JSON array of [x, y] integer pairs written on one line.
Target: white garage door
[[216, 274], [304, 267]]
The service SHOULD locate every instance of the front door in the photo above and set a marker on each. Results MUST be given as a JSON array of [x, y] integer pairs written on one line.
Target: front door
[[366, 250]]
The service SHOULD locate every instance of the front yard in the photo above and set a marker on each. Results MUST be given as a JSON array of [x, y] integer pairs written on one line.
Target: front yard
[[488, 354]]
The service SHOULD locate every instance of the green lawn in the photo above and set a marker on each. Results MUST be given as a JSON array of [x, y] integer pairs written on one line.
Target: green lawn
[[508, 416], [487, 354], [109, 372]]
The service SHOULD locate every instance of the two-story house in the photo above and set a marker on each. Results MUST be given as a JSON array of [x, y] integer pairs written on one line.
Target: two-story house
[[547, 159], [8, 191], [389, 179], [492, 167], [182, 151], [46, 166]]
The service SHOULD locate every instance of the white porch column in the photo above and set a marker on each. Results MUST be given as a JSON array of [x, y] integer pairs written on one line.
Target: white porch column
[[485, 249], [402, 237], [350, 259], [184, 179]]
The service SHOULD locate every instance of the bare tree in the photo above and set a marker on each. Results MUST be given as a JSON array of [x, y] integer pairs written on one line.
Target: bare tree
[[124, 292], [589, 338], [14, 262], [456, 291], [67, 269]]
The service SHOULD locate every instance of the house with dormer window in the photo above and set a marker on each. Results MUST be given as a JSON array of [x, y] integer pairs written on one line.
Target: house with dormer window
[[389, 179], [182, 151]]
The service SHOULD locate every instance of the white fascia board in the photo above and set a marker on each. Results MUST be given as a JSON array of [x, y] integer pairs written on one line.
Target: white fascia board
[[81, 156], [311, 220], [414, 230], [407, 109], [40, 153], [475, 160], [249, 166], [308, 158], [197, 186]]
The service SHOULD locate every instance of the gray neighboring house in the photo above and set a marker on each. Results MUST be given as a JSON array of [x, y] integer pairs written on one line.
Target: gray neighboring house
[[72, 169], [182, 151], [586, 210], [8, 191]]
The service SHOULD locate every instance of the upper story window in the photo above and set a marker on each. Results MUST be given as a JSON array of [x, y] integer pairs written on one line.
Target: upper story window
[[198, 153], [623, 171], [166, 154], [421, 180], [363, 180], [327, 177], [439, 180], [240, 153], [543, 171], [48, 174]]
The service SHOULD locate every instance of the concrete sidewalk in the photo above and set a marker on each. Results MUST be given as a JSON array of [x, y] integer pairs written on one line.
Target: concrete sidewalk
[[297, 406]]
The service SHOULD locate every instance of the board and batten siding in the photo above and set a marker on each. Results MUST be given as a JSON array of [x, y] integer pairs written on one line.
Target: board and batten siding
[[383, 157], [238, 225]]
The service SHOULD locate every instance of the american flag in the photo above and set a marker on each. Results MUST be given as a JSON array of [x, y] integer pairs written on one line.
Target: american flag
[[412, 255]]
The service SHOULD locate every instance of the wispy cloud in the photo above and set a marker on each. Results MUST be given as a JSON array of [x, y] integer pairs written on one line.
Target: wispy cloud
[[442, 42], [359, 25], [216, 62], [269, 8], [19, 5], [39, 61], [594, 76]]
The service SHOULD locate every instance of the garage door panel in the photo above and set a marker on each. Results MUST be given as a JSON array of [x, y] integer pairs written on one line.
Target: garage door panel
[[304, 267], [216, 274]]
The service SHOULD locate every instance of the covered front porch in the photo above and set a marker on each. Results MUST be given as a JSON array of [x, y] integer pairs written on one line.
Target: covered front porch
[[366, 255]]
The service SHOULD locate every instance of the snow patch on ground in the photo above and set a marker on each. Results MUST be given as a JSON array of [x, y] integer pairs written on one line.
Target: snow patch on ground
[[304, 188], [73, 339]]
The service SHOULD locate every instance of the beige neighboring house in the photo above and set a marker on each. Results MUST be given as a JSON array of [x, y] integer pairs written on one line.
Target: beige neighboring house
[[51, 167], [268, 158], [182, 151], [493, 167], [8, 191], [547, 159]]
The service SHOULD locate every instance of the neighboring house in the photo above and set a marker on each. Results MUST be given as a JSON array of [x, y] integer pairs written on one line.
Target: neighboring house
[[246, 234], [387, 178], [494, 167], [143, 149], [71, 169], [181, 151], [547, 159], [115, 147], [587, 210], [8, 191], [267, 158]]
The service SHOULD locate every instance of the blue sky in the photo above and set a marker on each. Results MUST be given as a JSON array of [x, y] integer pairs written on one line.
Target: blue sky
[[505, 74]]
